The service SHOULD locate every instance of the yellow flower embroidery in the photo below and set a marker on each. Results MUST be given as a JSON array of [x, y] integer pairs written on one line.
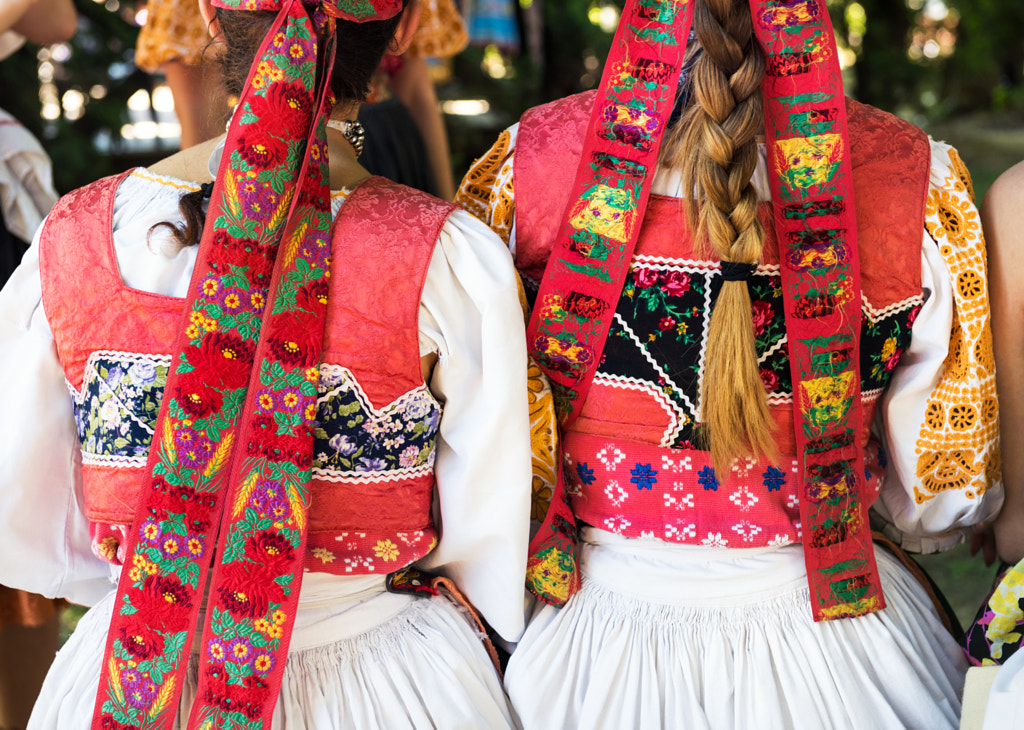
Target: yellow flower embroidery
[[386, 550], [325, 555], [1005, 604]]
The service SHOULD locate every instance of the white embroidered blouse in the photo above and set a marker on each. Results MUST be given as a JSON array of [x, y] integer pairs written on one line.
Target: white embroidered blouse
[[938, 418], [470, 317]]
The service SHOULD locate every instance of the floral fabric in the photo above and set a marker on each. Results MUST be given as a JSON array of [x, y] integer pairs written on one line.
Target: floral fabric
[[354, 440], [998, 629], [915, 372], [116, 410]]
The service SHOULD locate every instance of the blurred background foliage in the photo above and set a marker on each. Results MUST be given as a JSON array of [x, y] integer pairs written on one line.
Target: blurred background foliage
[[934, 62]]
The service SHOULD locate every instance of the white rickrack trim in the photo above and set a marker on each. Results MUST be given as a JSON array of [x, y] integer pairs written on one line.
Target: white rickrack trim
[[670, 436], [702, 357], [624, 383], [350, 383], [121, 357], [773, 349], [778, 399], [697, 266], [874, 394], [118, 462], [876, 314], [374, 477]]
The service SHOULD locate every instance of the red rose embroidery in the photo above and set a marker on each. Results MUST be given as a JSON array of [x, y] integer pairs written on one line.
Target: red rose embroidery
[[271, 550], [196, 397], [141, 641], [222, 358], [260, 149], [286, 106], [248, 590], [163, 602], [763, 316], [296, 339], [770, 380], [676, 283], [645, 277]]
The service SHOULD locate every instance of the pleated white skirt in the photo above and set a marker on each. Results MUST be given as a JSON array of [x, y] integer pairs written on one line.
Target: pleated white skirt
[[359, 659], [670, 636]]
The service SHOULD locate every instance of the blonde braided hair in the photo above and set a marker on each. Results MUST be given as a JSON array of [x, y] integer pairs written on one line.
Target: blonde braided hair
[[715, 146]]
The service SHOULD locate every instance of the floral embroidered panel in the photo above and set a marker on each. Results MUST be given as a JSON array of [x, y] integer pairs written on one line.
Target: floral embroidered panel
[[355, 441], [117, 407], [658, 337]]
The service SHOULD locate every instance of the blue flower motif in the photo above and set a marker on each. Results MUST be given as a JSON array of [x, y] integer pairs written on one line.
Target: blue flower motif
[[643, 476], [371, 464], [585, 473], [883, 459], [707, 479], [774, 478]]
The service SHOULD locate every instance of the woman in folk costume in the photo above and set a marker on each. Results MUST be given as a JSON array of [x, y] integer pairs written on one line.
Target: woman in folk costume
[[256, 423], [736, 387]]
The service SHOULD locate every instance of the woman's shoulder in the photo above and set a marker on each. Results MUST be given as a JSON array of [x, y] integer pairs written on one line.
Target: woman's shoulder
[[192, 164], [1007, 193]]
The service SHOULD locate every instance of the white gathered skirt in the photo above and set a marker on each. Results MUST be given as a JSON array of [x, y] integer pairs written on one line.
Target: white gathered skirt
[[362, 660], [671, 636]]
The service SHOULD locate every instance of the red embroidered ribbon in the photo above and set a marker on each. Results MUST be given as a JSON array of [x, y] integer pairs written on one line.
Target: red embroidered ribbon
[[590, 259], [815, 222], [812, 188], [237, 416]]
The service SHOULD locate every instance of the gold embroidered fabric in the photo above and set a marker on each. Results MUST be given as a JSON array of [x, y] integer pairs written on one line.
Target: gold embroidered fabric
[[958, 447], [544, 440], [487, 192], [174, 30], [441, 33]]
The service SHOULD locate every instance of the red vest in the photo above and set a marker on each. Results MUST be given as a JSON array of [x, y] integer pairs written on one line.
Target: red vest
[[372, 486], [630, 461]]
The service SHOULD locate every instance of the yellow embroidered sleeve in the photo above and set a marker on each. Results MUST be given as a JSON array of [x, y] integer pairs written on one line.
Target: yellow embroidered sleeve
[[487, 190], [544, 438], [958, 445]]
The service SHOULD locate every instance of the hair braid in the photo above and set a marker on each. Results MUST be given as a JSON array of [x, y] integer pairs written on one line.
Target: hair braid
[[715, 145]]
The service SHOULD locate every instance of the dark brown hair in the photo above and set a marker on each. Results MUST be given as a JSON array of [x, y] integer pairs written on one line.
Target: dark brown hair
[[359, 50], [715, 146]]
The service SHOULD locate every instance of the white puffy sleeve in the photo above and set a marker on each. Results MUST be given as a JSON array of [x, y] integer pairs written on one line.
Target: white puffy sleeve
[[46, 533], [939, 417], [470, 315]]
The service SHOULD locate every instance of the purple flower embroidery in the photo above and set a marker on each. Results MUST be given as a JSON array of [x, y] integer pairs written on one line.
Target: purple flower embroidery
[[196, 455], [263, 662], [150, 531], [259, 201], [217, 651], [141, 695], [367, 464], [342, 444], [240, 651]]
